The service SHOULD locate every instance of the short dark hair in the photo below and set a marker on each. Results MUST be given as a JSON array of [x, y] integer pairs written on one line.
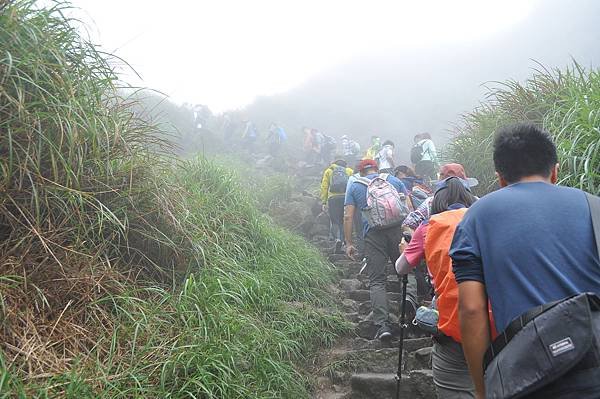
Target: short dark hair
[[405, 170], [341, 162], [454, 193], [522, 150], [388, 142]]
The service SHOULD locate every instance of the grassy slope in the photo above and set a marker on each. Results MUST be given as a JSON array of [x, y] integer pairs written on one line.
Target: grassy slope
[[564, 102], [124, 273]]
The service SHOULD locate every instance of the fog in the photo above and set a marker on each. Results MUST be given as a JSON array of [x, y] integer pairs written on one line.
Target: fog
[[393, 69], [396, 95]]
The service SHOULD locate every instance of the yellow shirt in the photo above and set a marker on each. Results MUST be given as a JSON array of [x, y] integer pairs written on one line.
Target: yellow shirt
[[325, 193]]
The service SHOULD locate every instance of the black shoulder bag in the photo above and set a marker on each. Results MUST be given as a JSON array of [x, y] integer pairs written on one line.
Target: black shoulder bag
[[547, 342]]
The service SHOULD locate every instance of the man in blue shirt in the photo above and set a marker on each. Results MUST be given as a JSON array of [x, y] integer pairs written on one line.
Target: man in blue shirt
[[525, 245], [381, 245]]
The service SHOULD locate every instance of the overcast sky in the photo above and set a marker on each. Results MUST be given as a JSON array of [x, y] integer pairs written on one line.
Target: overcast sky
[[224, 53]]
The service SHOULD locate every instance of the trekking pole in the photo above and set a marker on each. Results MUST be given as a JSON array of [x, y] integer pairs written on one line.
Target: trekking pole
[[403, 326]]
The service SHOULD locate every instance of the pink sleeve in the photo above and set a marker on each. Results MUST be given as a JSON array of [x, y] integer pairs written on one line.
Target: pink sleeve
[[415, 252]]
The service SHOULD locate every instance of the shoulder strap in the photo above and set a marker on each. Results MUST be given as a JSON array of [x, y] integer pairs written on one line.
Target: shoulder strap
[[594, 203]]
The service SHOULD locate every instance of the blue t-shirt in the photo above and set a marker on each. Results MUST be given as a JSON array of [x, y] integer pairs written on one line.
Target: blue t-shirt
[[530, 244], [356, 194]]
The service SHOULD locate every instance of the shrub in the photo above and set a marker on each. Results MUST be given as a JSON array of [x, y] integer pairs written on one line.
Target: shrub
[[562, 101]]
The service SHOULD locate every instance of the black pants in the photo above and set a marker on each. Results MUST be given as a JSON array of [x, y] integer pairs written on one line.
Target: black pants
[[381, 247], [336, 215], [426, 169]]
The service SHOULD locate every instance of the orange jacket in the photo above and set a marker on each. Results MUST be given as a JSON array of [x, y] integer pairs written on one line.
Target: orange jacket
[[437, 244]]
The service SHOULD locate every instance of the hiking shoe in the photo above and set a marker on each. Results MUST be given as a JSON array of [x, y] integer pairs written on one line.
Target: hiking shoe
[[384, 333], [338, 247]]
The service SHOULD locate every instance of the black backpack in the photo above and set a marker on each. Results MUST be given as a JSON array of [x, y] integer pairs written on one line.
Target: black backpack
[[416, 153], [339, 180]]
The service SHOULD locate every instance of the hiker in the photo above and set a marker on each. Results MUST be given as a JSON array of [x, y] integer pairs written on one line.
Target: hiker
[[307, 145], [526, 245], [419, 193], [374, 195], [350, 150], [318, 142], [275, 139], [385, 157], [226, 126], [416, 186], [431, 240], [357, 223], [424, 156], [250, 135], [407, 175], [333, 190], [421, 213], [374, 148], [327, 149]]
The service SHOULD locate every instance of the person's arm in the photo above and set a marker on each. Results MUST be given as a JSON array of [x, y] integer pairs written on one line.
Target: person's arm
[[412, 253], [325, 187], [474, 329], [402, 265], [472, 299], [348, 220]]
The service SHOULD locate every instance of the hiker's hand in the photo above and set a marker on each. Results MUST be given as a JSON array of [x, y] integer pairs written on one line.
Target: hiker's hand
[[402, 246], [350, 251]]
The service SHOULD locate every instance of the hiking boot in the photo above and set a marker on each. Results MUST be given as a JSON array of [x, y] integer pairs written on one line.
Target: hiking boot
[[338, 247], [384, 333]]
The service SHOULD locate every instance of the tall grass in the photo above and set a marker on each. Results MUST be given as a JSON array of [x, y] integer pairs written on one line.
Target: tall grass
[[565, 102], [124, 272]]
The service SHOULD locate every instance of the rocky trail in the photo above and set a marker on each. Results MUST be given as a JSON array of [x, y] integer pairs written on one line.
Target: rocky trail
[[358, 366]]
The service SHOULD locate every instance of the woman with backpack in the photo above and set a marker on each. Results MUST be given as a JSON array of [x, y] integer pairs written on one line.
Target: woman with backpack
[[333, 190], [432, 241], [424, 156]]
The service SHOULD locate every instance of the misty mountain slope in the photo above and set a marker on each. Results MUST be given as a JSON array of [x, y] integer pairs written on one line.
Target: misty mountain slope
[[397, 95]]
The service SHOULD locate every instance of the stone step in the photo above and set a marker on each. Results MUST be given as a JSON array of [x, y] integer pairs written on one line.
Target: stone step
[[367, 329], [417, 385], [417, 360], [410, 344], [333, 258], [383, 360], [363, 295], [350, 306], [326, 389], [364, 308], [350, 284]]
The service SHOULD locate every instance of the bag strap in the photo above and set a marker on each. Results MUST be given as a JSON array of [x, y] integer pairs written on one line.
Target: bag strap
[[594, 203]]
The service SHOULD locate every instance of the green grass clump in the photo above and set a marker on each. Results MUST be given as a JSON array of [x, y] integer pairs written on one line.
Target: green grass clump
[[125, 272], [565, 102]]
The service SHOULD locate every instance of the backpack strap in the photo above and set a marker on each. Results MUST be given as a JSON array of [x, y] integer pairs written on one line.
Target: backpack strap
[[594, 203]]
